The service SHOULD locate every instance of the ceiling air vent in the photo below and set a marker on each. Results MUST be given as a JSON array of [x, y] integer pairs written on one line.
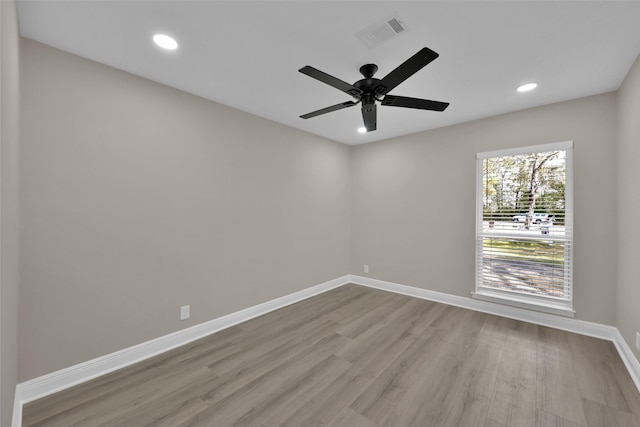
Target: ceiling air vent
[[380, 32]]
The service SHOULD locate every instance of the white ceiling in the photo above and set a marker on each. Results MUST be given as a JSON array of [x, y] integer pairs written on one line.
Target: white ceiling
[[247, 54]]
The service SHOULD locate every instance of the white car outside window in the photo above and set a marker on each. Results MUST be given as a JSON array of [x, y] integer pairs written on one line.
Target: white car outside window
[[538, 218]]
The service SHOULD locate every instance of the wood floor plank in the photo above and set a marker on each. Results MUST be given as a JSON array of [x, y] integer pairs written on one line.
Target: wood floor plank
[[601, 415], [361, 357], [226, 408], [276, 346], [385, 392], [326, 403], [295, 392], [169, 410], [370, 354], [514, 396], [461, 387], [116, 383], [491, 423], [374, 317], [102, 411], [416, 397], [556, 377], [350, 418], [353, 312], [595, 374], [545, 419], [468, 399], [624, 380]]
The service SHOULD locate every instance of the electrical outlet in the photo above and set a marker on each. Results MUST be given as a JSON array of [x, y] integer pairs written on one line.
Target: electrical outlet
[[366, 268], [185, 312], [638, 340]]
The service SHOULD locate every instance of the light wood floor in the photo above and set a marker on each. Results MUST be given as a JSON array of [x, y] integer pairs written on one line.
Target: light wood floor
[[359, 357]]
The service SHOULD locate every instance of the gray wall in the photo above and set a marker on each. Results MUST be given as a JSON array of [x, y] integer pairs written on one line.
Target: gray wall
[[413, 212], [138, 198], [628, 306], [9, 143]]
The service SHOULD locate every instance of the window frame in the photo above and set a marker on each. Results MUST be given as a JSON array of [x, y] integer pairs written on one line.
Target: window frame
[[546, 304]]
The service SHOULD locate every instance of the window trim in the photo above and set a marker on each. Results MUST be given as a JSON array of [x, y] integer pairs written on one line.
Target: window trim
[[512, 298]]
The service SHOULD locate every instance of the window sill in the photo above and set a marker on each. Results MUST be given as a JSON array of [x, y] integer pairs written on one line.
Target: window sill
[[514, 301]]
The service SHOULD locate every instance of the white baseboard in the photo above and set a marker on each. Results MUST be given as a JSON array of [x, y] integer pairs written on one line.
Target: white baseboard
[[68, 377], [59, 380], [629, 359], [567, 324], [581, 327]]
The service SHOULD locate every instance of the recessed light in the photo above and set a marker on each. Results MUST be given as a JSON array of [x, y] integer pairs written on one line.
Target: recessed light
[[165, 42], [527, 87], [362, 130]]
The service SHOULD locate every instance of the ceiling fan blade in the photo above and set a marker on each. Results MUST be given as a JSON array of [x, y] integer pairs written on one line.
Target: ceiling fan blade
[[331, 81], [329, 109], [421, 104], [405, 70], [369, 116]]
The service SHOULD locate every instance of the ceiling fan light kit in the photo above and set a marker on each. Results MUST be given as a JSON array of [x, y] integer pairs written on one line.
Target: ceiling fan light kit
[[370, 89]]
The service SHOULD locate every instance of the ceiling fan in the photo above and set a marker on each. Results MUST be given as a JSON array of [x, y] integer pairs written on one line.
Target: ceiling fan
[[369, 90]]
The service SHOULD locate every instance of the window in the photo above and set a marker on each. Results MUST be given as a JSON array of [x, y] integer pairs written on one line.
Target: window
[[524, 227]]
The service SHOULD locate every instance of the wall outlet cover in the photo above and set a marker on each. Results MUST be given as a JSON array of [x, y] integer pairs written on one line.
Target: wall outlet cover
[[638, 340], [185, 312]]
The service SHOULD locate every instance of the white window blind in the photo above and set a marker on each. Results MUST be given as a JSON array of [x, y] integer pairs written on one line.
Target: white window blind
[[524, 227]]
